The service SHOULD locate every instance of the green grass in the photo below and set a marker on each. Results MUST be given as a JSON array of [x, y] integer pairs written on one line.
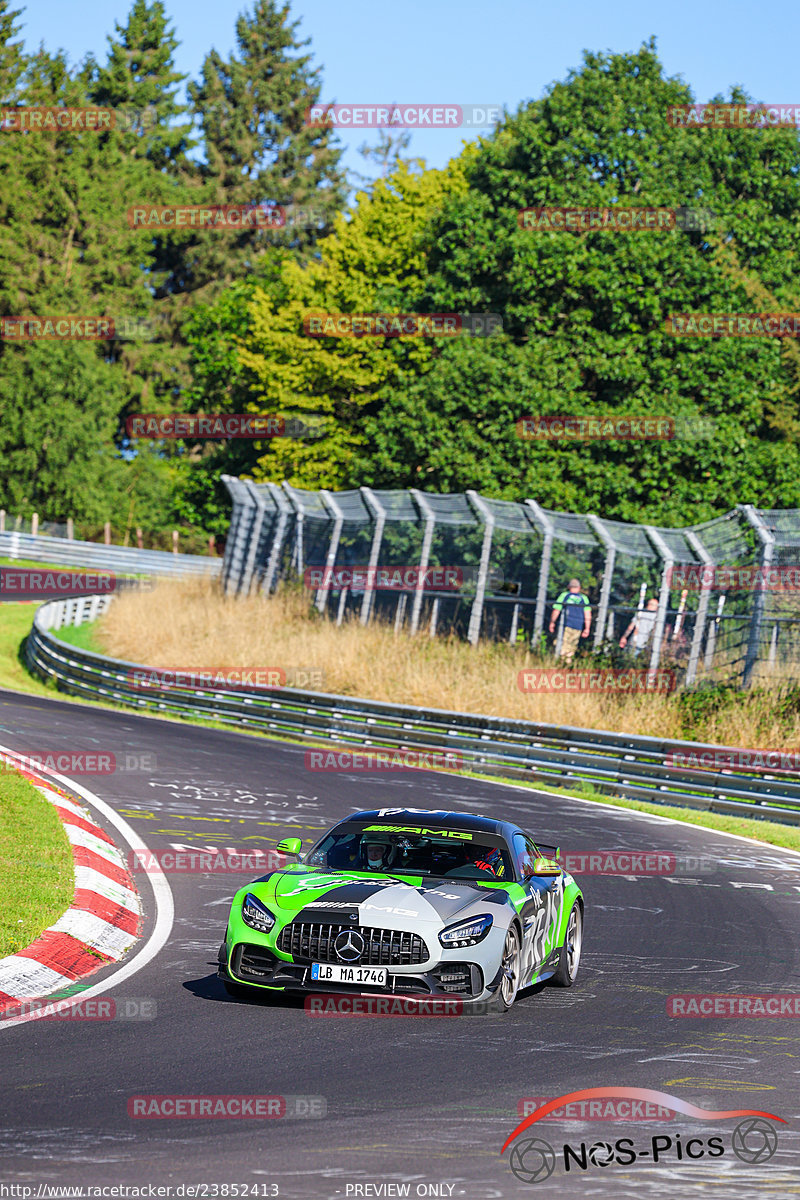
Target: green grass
[[82, 636], [36, 873]]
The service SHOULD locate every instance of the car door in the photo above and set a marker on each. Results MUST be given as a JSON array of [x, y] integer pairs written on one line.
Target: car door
[[541, 909]]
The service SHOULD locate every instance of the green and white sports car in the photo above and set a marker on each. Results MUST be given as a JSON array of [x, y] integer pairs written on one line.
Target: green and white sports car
[[413, 903]]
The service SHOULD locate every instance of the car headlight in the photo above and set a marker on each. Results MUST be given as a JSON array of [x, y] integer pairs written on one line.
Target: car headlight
[[466, 933], [256, 915]]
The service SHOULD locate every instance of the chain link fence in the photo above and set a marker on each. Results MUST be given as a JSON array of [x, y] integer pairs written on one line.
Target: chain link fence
[[727, 591]]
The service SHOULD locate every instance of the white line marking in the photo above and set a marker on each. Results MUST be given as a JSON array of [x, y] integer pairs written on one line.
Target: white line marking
[[162, 893]]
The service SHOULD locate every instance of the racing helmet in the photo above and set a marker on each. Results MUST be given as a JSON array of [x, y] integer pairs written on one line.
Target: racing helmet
[[490, 860], [376, 852]]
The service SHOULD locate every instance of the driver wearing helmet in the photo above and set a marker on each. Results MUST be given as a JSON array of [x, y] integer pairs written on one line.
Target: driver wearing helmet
[[376, 854], [489, 859]]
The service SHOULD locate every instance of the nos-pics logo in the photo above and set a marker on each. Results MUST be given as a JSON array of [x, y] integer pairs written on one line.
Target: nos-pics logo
[[532, 1159]]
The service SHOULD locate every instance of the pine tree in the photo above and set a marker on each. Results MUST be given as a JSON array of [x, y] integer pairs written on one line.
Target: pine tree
[[259, 150]]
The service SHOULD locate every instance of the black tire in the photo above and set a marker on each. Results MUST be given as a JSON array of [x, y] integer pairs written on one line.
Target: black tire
[[570, 957], [506, 993]]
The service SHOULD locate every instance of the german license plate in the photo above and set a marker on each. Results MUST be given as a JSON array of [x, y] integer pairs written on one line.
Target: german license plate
[[331, 973]]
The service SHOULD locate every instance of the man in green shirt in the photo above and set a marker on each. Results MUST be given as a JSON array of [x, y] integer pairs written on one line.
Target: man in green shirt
[[577, 619]]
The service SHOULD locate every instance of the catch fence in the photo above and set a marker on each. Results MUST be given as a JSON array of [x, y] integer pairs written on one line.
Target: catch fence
[[727, 590]]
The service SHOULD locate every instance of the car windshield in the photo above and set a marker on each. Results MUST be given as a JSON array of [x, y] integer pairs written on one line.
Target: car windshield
[[451, 854]]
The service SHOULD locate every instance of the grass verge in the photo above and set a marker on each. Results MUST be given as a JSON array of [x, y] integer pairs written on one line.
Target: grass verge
[[36, 874]]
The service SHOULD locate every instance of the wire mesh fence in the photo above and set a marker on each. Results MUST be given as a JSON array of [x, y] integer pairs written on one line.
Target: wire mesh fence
[[716, 602]]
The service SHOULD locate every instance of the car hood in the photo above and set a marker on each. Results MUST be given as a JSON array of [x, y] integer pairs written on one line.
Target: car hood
[[376, 900]]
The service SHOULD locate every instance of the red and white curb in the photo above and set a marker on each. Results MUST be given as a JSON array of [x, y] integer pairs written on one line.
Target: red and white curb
[[100, 926]]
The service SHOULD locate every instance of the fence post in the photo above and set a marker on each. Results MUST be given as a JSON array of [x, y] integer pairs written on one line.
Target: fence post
[[298, 556], [767, 550], [665, 554], [333, 547], [174, 541], [107, 533], [702, 604], [379, 513], [71, 530], [476, 612], [608, 573], [430, 521], [257, 508], [2, 520], [284, 508], [546, 525], [35, 524]]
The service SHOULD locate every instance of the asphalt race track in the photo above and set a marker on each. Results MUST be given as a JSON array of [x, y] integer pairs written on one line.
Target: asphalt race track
[[423, 1101]]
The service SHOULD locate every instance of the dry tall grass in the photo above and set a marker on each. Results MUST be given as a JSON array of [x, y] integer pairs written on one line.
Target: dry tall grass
[[189, 624]]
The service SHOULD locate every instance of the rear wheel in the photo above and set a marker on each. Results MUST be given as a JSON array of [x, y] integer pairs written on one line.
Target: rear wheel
[[570, 956], [506, 993]]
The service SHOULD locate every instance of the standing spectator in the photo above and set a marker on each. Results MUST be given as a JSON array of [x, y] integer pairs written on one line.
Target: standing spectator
[[577, 619], [642, 626]]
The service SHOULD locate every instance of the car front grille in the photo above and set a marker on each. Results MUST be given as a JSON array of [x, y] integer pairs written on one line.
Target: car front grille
[[312, 941]]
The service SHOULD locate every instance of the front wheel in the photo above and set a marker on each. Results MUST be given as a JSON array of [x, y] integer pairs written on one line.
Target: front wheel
[[570, 956], [506, 993]]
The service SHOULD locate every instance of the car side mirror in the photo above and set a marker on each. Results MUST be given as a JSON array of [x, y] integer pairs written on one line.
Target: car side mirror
[[545, 867], [290, 846]]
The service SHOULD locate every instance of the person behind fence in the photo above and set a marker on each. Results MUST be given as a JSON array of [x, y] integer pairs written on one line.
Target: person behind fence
[[577, 619], [642, 626]]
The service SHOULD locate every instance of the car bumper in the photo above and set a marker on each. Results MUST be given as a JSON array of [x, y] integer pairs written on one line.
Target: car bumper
[[448, 978]]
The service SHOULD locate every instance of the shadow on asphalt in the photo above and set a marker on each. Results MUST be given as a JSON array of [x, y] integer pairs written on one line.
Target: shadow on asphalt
[[211, 987]]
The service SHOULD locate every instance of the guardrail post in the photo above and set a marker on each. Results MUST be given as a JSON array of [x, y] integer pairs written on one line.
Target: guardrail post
[[333, 547], [476, 612], [608, 573], [663, 600], [430, 521], [546, 525], [767, 550], [702, 604], [379, 513]]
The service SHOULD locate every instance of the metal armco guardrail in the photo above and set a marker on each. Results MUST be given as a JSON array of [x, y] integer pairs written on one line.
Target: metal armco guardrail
[[93, 556], [548, 755]]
